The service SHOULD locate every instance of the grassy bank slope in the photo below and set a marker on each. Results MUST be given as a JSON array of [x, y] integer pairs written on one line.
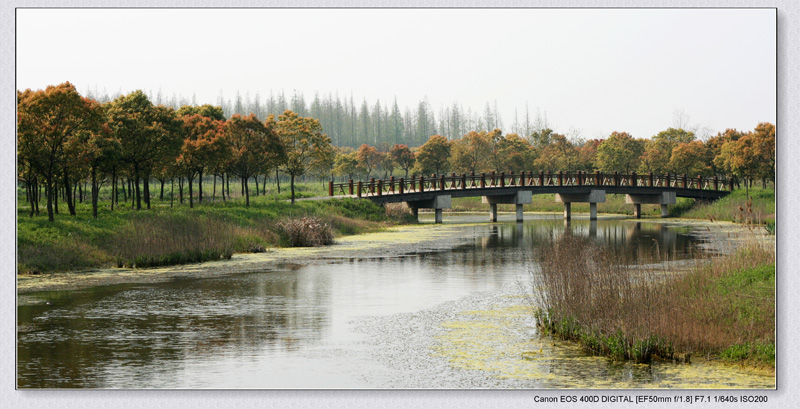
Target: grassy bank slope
[[175, 235]]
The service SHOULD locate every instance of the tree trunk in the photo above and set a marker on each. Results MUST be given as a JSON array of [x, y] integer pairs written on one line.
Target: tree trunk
[[147, 190], [95, 191], [161, 195], [278, 180], [200, 187], [114, 192], [37, 195], [189, 179], [246, 191], [171, 191], [222, 188], [292, 184], [180, 188], [29, 196], [264, 185], [49, 193], [68, 190], [136, 187], [256, 180], [228, 179]]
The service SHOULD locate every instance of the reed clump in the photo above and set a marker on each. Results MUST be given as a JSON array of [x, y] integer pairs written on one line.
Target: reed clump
[[588, 293], [307, 232], [173, 239]]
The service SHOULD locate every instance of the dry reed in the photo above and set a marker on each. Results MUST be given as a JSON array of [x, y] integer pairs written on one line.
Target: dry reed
[[588, 293], [307, 232]]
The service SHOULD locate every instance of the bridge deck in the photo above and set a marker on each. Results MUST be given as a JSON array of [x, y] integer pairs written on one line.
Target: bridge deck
[[421, 188]]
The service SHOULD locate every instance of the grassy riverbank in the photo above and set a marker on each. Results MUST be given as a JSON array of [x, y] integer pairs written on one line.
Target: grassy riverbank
[[174, 235], [754, 206], [721, 307]]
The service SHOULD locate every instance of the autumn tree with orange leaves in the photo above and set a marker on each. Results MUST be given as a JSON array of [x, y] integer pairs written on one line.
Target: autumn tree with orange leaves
[[255, 148], [305, 145], [52, 127], [204, 143]]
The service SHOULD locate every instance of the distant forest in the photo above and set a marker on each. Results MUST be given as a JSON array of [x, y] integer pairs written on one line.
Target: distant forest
[[350, 123]]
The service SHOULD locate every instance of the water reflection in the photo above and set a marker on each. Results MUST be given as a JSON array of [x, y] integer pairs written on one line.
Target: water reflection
[[209, 333]]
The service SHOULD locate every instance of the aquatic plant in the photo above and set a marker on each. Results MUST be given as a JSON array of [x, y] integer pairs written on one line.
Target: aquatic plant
[[588, 293]]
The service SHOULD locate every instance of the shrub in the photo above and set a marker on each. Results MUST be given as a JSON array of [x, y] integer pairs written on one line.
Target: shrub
[[307, 232]]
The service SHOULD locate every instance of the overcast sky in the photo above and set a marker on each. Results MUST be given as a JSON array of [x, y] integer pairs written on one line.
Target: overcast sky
[[591, 70]]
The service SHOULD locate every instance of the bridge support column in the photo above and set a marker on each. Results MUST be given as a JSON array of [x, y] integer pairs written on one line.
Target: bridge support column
[[664, 199], [437, 203], [592, 196], [520, 198]]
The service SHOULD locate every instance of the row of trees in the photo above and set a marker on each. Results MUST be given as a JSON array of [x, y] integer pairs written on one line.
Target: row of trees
[[352, 123], [64, 139], [748, 155]]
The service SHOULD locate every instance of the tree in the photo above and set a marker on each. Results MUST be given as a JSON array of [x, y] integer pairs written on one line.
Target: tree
[[148, 134], [346, 164], [102, 153], [541, 138], [715, 144], [587, 155], [620, 152], [516, 153], [471, 152], [255, 146], [690, 159], [751, 156], [304, 143], [403, 157], [764, 150], [368, 158], [49, 122], [658, 150], [559, 154], [434, 155], [204, 142]]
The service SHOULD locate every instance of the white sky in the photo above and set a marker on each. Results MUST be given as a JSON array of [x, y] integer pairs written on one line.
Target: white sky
[[593, 70]]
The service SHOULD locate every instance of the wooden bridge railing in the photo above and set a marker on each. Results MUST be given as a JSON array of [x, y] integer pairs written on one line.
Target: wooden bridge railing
[[415, 184]]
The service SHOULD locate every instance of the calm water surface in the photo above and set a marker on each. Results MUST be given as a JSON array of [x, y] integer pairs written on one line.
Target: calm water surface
[[290, 328]]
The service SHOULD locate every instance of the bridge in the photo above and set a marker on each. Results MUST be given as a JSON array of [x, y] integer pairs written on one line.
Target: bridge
[[436, 192]]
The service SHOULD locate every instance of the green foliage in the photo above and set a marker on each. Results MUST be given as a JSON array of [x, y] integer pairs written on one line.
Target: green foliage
[[433, 156], [619, 153], [755, 352]]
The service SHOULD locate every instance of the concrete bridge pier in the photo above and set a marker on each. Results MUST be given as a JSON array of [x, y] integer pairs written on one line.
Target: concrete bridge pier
[[593, 197], [664, 199], [438, 203], [518, 199]]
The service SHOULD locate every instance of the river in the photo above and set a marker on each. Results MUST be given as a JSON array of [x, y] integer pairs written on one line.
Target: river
[[413, 307]]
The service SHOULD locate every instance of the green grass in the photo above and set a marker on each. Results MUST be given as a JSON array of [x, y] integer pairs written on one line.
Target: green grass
[[737, 207]]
